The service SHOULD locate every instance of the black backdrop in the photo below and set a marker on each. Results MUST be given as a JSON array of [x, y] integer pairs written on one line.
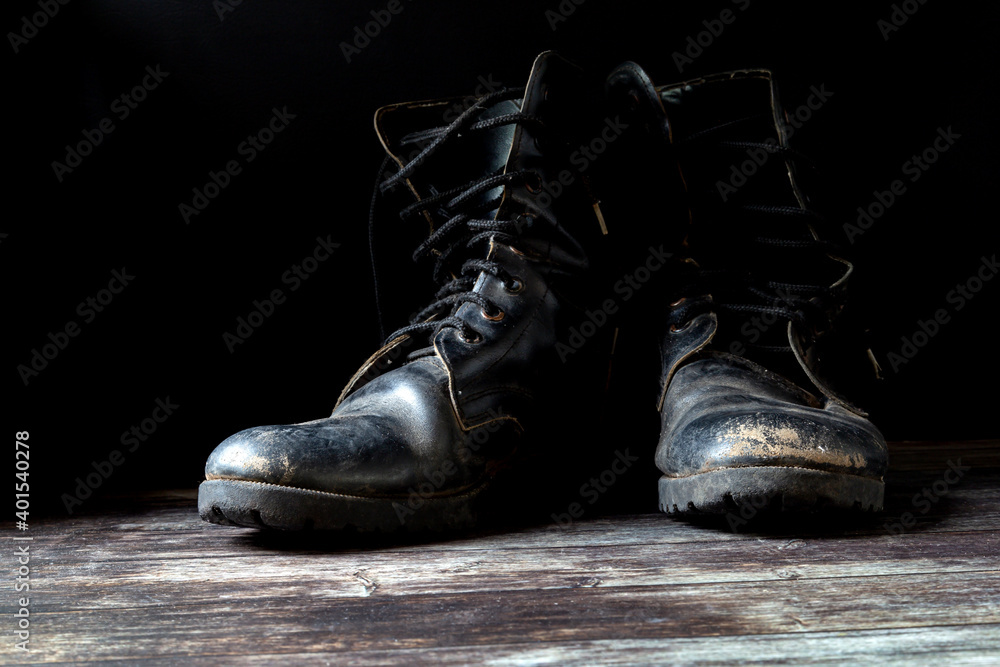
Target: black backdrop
[[222, 69]]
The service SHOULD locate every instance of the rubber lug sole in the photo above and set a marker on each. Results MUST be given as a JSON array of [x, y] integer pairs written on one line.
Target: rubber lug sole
[[771, 488], [275, 507]]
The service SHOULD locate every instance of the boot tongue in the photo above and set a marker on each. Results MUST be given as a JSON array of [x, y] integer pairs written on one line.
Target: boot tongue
[[402, 129]]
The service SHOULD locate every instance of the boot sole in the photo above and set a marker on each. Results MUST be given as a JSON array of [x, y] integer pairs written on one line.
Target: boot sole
[[271, 506], [769, 488]]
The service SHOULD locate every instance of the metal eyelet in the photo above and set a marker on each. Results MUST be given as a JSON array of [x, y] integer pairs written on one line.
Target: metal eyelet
[[516, 285], [471, 341], [678, 302], [499, 315], [533, 183], [678, 329]]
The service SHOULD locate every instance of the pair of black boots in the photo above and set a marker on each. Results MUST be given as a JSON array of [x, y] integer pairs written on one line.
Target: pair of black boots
[[532, 202]]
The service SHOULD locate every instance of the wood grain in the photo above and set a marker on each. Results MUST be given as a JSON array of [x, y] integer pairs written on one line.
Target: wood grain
[[144, 581]]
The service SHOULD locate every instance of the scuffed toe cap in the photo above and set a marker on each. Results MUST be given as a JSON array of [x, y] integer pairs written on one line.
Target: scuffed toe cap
[[717, 415], [249, 455], [791, 437], [332, 455], [391, 434]]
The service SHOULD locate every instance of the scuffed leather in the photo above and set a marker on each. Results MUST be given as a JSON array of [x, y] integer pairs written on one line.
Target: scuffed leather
[[710, 92], [719, 410], [492, 379], [681, 341], [462, 410], [727, 412], [392, 434]]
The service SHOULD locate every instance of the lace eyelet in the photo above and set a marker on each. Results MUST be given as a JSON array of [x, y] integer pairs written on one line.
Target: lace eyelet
[[496, 317], [514, 286], [678, 329], [533, 183], [471, 341]]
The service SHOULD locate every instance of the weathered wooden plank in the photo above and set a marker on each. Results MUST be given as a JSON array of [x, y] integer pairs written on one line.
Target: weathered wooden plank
[[146, 581], [955, 645], [264, 625], [98, 579]]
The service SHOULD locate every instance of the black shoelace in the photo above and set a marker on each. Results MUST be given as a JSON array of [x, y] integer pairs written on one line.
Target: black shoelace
[[460, 242], [743, 290]]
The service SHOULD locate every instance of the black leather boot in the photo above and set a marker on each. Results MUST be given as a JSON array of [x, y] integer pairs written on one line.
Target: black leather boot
[[473, 386], [756, 343]]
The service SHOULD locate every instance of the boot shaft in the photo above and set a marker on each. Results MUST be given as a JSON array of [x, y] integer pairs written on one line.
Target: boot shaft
[[759, 281]]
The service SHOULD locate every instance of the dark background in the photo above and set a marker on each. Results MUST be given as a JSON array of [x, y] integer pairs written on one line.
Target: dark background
[[162, 336]]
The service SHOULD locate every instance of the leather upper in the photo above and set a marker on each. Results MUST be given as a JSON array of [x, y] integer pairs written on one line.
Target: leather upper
[[391, 435], [719, 408], [726, 412], [463, 405]]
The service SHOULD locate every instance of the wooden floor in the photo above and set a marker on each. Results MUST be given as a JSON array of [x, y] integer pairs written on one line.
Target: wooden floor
[[148, 583]]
